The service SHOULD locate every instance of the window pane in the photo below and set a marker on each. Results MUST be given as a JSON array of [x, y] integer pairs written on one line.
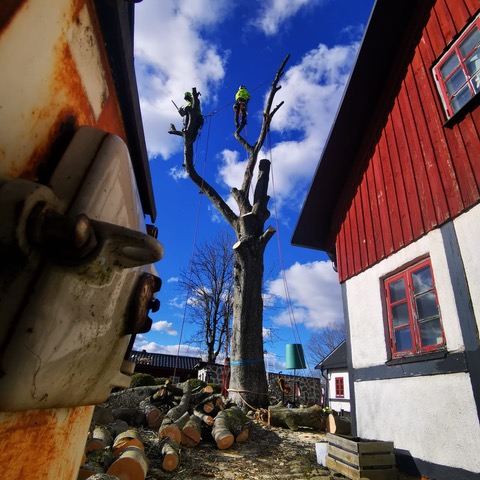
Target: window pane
[[449, 65], [426, 305], [462, 97], [476, 82], [403, 340], [470, 42], [400, 315], [473, 63], [431, 332], [422, 279], [397, 290], [455, 82]]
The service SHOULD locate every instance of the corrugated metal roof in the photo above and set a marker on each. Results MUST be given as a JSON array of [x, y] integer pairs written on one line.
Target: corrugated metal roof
[[161, 360]]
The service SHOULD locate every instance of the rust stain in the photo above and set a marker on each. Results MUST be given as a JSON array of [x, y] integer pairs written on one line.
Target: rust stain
[[43, 443]]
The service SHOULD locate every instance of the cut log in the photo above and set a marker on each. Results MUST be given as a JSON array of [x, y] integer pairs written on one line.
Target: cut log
[[171, 456], [338, 425], [207, 419], [131, 465], [85, 473], [224, 438], [100, 439], [173, 430], [153, 415], [293, 418], [193, 429], [208, 404], [133, 416], [127, 439]]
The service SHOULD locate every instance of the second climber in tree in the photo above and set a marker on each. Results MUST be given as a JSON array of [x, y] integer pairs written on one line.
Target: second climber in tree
[[240, 107]]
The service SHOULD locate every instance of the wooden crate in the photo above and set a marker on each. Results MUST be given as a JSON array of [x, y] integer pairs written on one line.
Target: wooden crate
[[361, 459]]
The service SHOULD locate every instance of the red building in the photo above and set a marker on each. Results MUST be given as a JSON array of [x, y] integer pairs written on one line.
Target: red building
[[395, 204]]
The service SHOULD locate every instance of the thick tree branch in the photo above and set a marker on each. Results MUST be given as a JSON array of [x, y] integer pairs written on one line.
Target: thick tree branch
[[267, 118], [189, 134]]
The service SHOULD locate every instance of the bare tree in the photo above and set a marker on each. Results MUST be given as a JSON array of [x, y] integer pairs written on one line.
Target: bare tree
[[248, 384], [209, 283], [324, 342]]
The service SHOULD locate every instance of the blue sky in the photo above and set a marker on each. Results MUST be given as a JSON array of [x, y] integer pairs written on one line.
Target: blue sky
[[216, 45]]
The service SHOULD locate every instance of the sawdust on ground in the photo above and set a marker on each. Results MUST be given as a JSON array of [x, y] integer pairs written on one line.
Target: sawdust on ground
[[270, 453]]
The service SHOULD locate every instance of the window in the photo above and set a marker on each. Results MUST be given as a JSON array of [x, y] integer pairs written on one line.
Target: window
[[339, 387], [413, 314], [458, 72]]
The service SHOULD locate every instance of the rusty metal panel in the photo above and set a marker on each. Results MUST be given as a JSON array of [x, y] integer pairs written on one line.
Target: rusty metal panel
[[43, 444], [57, 79]]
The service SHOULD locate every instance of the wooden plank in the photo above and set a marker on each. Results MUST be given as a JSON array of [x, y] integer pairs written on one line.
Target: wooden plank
[[472, 5], [342, 468], [459, 12], [397, 172], [445, 20], [357, 258], [391, 194], [434, 122], [375, 447], [387, 474], [408, 172], [409, 108], [368, 222], [386, 231], [377, 227], [377, 460], [340, 454], [342, 442]]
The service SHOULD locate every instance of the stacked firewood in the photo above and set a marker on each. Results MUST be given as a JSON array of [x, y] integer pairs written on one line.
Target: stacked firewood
[[182, 414]]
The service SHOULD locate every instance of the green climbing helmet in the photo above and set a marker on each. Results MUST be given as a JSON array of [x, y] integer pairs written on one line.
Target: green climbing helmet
[[187, 96]]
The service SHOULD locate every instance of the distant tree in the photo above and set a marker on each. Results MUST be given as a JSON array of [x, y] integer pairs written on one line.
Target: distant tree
[[324, 342], [209, 283], [248, 381]]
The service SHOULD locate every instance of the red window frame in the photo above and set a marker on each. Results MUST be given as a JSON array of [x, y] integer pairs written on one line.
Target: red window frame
[[409, 325], [472, 79], [339, 387]]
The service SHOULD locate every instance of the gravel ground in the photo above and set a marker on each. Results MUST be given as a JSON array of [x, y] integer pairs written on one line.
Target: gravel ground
[[269, 454]]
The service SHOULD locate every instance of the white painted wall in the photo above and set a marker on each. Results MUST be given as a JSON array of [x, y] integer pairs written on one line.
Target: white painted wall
[[467, 227], [333, 403], [365, 300], [433, 417]]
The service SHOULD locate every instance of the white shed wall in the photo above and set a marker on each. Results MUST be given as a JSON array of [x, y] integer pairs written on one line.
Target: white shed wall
[[338, 405], [439, 421]]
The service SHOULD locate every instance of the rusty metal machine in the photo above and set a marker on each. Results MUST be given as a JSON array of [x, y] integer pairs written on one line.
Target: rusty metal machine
[[77, 275]]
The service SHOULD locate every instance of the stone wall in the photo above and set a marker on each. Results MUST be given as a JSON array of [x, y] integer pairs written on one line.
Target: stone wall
[[309, 391]]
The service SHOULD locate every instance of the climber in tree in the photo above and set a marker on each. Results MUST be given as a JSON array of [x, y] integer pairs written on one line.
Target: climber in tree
[[187, 110], [240, 108], [192, 116]]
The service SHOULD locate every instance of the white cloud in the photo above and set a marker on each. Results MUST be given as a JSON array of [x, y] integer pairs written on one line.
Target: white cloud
[[163, 74], [314, 294], [274, 13], [312, 91], [141, 343], [164, 327]]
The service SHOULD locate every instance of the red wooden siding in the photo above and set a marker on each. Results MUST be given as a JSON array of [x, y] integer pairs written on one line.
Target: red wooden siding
[[421, 173]]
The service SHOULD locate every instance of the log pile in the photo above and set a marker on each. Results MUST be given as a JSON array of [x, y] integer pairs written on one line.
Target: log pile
[[182, 415]]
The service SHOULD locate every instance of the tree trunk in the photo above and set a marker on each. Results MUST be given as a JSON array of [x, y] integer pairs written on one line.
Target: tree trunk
[[338, 425], [293, 418], [248, 382]]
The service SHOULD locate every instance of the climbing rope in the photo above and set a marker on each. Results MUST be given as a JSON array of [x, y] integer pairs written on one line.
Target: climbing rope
[[293, 322], [193, 249]]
